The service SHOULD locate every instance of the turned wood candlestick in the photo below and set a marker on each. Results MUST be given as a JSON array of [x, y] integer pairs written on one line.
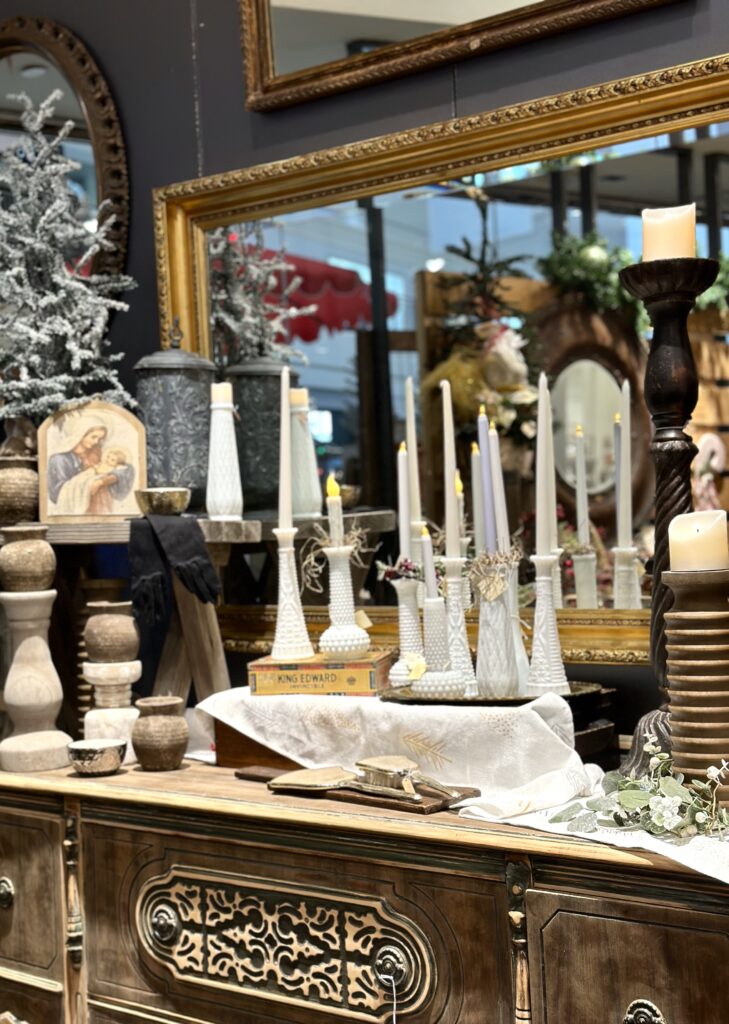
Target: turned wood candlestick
[[668, 290]]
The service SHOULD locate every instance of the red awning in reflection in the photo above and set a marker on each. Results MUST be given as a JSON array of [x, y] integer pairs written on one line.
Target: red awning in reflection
[[343, 300]]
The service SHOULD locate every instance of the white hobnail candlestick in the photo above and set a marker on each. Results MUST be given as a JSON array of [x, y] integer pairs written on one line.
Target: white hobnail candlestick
[[440, 679], [224, 494], [460, 652], [306, 494], [465, 581], [520, 654], [557, 578], [546, 670], [497, 674], [344, 638], [112, 681], [33, 694], [410, 635], [585, 567], [626, 582], [416, 553], [291, 640]]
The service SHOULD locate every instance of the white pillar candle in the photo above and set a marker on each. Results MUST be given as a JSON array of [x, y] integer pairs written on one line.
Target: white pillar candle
[[698, 541], [479, 537], [431, 583], [460, 498], [541, 504], [285, 518], [669, 233], [551, 482], [411, 438], [489, 518], [221, 393], [501, 514], [617, 428], [452, 532], [334, 511], [625, 509], [403, 501], [583, 512]]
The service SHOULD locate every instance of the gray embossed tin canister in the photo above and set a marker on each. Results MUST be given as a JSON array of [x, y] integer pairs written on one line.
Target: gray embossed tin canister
[[173, 391], [257, 396]]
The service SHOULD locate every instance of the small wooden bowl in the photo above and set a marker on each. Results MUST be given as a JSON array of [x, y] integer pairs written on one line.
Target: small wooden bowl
[[163, 501]]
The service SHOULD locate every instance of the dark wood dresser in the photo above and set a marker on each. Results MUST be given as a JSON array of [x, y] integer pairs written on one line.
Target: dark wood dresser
[[195, 898]]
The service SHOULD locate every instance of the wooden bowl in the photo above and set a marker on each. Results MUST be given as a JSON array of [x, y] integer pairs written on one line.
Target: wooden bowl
[[163, 501]]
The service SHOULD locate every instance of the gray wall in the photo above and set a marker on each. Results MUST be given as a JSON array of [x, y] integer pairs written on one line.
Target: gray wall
[[175, 69]]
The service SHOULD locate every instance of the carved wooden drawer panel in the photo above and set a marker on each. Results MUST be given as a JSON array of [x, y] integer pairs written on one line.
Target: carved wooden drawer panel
[[29, 1005], [31, 895], [610, 961], [216, 930]]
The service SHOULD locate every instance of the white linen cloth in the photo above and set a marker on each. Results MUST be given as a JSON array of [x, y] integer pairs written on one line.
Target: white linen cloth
[[521, 758]]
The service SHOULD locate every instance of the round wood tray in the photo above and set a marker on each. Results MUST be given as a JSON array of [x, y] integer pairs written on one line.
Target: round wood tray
[[580, 693]]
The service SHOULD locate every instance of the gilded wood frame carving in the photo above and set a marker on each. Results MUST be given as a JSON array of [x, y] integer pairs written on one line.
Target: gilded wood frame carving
[[62, 48], [266, 90], [683, 96]]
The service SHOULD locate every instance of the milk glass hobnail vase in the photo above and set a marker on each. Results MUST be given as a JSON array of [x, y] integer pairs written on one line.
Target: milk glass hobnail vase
[[291, 641], [585, 567], [439, 679], [224, 495], [497, 672], [557, 579], [520, 654], [626, 582], [460, 651], [306, 496], [546, 671], [32, 693], [344, 638], [416, 550], [408, 618], [465, 581]]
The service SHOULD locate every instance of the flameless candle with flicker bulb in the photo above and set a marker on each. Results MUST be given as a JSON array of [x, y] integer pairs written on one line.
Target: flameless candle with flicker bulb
[[460, 498], [479, 536], [669, 233], [334, 510]]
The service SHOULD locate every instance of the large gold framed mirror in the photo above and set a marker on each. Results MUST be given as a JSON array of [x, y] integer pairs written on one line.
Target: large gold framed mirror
[[38, 56], [298, 50], [644, 118]]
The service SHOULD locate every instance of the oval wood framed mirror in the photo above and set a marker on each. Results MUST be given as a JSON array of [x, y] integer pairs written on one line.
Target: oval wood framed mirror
[[37, 56]]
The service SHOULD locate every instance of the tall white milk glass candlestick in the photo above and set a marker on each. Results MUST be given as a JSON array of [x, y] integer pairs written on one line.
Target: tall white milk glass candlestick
[[497, 672], [410, 635], [344, 638], [224, 494], [291, 640], [403, 503], [460, 652], [305, 485], [584, 563], [626, 581], [546, 671]]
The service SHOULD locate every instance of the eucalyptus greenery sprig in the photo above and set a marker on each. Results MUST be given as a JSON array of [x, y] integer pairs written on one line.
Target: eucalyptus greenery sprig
[[659, 802]]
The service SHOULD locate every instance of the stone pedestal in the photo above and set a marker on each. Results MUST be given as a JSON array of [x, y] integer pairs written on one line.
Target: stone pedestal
[[33, 693], [112, 724], [112, 681]]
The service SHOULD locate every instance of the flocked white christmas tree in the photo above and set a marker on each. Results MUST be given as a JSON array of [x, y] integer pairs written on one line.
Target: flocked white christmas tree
[[54, 311], [250, 287]]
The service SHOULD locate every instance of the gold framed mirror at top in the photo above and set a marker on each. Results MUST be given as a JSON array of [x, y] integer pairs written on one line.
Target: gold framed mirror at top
[[651, 115], [297, 50]]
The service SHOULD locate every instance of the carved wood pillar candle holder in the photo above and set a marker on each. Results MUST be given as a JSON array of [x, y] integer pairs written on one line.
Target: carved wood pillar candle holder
[[460, 651], [626, 582], [344, 638], [546, 670], [410, 636], [291, 640], [585, 567], [668, 290], [697, 633]]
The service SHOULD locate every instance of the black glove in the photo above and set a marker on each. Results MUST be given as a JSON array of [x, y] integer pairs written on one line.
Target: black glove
[[183, 546], [150, 586]]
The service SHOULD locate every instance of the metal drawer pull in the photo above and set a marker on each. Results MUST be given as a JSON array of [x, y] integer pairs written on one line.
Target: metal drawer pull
[[641, 1011], [7, 897]]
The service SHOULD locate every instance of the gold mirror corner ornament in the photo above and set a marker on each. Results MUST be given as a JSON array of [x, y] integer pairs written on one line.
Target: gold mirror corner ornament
[[267, 89], [68, 54]]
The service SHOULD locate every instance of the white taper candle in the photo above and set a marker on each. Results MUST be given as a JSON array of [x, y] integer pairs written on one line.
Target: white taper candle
[[582, 508], [411, 438], [403, 501], [285, 520], [501, 514], [625, 509], [479, 536], [452, 531]]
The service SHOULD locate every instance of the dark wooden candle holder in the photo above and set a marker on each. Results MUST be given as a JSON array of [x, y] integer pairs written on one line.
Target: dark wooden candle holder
[[668, 290]]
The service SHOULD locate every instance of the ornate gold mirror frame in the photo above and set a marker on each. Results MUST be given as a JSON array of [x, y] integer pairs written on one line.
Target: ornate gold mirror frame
[[679, 97], [63, 49], [267, 89]]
